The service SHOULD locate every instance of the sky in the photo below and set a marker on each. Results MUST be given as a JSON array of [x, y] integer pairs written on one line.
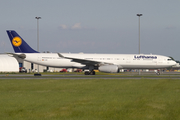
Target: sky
[[94, 26]]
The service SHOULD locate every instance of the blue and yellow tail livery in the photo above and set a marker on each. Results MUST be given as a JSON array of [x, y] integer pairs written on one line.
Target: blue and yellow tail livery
[[19, 45]]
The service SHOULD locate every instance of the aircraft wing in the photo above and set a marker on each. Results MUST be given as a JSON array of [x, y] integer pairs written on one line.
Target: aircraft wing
[[85, 61]]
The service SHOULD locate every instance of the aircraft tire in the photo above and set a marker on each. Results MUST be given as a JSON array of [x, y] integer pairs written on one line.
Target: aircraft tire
[[158, 73], [93, 72], [86, 73]]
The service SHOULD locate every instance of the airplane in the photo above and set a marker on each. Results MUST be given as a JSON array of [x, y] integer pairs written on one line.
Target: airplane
[[110, 63]]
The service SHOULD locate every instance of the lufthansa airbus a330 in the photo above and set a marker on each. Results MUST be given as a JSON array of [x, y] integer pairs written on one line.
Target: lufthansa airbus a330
[[103, 62]]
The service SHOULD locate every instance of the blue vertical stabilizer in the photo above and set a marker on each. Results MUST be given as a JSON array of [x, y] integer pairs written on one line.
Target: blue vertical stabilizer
[[19, 45]]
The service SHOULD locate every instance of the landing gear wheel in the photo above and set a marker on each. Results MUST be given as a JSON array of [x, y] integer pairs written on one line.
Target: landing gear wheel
[[93, 72], [86, 73], [158, 73]]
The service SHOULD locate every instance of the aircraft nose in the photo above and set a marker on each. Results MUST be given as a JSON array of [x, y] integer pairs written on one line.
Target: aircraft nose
[[174, 63]]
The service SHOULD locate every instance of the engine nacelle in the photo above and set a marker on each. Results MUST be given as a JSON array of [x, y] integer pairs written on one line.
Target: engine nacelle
[[109, 68]]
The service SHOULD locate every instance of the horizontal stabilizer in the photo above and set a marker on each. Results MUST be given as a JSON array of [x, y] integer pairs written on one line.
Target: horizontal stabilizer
[[22, 56]]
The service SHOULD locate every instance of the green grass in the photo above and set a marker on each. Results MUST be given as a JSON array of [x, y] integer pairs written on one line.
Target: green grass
[[61, 73], [90, 99]]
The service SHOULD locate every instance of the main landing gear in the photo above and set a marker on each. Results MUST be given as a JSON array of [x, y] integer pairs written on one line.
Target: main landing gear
[[158, 73], [90, 72]]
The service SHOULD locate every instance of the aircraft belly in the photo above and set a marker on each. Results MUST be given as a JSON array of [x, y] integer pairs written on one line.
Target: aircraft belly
[[144, 65], [138, 64]]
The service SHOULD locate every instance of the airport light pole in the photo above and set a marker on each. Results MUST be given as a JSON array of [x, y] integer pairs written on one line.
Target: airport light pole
[[139, 15], [38, 41]]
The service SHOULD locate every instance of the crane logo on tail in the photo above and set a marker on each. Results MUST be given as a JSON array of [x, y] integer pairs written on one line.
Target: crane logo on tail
[[16, 41]]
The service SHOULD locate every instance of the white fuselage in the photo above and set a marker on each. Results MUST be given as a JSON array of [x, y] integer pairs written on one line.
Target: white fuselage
[[123, 61]]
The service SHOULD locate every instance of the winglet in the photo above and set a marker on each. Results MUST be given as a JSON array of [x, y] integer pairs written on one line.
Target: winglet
[[60, 55]]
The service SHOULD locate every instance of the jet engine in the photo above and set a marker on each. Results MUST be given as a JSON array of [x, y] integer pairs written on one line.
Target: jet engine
[[109, 68]]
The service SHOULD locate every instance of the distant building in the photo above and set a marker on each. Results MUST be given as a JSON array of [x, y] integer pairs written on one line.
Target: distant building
[[8, 64]]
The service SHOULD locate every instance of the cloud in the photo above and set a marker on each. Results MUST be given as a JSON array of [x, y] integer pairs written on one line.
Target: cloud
[[76, 26], [64, 27]]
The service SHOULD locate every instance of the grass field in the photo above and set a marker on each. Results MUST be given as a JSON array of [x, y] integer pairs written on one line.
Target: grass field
[[90, 99]]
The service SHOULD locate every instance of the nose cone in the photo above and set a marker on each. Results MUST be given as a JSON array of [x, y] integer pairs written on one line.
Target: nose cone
[[173, 63]]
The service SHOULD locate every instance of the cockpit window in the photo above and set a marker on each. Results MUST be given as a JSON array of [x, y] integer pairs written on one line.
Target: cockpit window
[[170, 59]]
